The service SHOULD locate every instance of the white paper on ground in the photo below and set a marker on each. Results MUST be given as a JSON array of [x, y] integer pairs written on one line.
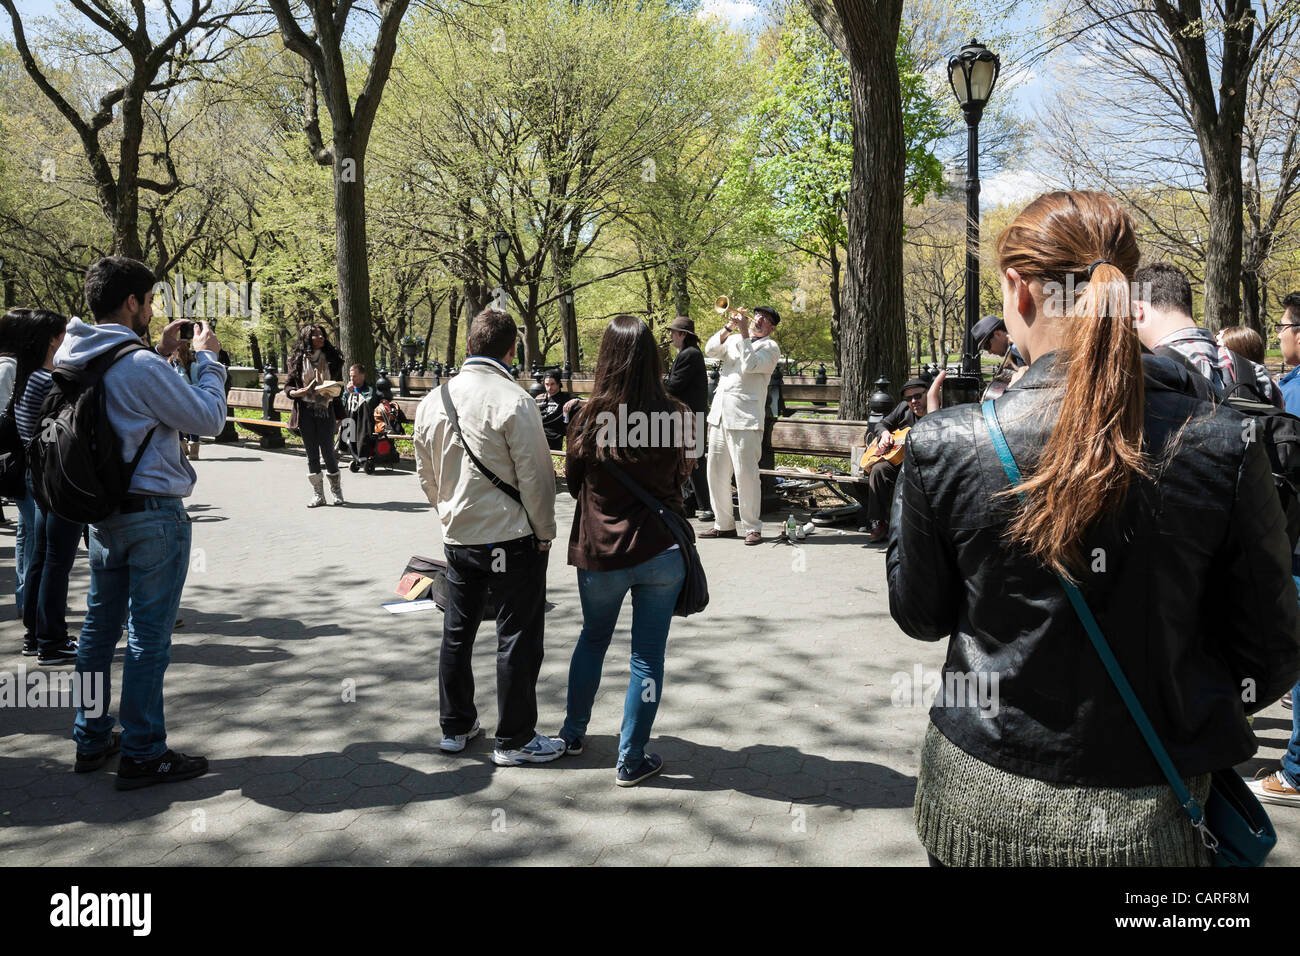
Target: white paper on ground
[[405, 607]]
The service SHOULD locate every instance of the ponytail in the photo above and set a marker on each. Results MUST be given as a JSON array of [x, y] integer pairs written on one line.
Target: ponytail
[[1095, 450]]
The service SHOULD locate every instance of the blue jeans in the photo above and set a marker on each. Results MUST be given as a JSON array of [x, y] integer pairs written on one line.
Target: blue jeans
[[24, 542], [655, 585], [1291, 759], [138, 562], [52, 545]]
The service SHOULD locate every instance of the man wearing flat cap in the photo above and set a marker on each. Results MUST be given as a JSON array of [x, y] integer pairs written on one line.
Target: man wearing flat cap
[[748, 357], [882, 476], [989, 334], [688, 382]]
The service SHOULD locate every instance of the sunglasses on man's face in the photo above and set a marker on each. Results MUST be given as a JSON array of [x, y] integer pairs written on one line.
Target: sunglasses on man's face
[[914, 398]]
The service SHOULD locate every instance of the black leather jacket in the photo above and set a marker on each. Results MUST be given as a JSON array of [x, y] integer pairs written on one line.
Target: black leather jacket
[[1196, 598]]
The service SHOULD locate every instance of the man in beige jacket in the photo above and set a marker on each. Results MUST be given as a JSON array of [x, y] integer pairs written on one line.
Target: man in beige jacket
[[736, 420], [497, 531]]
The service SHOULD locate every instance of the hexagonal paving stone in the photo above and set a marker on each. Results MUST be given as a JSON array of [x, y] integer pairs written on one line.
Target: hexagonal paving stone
[[326, 768], [315, 793], [377, 774]]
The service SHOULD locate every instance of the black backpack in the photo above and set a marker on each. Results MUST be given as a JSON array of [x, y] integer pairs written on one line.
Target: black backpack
[[1278, 430], [75, 457]]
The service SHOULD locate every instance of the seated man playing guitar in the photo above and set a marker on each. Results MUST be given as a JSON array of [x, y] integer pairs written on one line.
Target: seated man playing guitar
[[885, 456]]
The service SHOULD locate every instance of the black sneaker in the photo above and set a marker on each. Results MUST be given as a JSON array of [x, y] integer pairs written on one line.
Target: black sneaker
[[93, 761], [704, 516], [171, 767], [631, 776], [65, 654], [29, 646], [571, 746]]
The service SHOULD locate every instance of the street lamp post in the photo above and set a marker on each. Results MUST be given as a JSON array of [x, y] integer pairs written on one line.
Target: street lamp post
[[502, 241], [972, 74]]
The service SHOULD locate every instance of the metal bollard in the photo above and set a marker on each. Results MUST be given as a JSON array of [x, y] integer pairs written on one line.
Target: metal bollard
[[269, 436]]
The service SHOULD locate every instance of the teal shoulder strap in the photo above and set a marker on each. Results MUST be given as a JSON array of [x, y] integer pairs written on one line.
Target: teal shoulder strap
[[1192, 808]]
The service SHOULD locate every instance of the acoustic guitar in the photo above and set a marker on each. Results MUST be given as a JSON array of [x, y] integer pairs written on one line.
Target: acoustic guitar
[[894, 456]]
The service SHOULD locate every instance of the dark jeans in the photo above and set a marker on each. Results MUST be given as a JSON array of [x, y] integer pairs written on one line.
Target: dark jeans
[[513, 576], [695, 494], [318, 438], [45, 580], [878, 494]]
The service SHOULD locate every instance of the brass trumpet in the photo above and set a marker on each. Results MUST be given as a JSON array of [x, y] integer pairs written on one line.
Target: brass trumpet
[[723, 307]]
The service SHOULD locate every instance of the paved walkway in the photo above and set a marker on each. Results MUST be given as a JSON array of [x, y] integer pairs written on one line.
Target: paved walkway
[[781, 740]]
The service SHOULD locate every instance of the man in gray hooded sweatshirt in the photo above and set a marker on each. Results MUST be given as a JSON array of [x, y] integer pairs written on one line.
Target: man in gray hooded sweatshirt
[[139, 555]]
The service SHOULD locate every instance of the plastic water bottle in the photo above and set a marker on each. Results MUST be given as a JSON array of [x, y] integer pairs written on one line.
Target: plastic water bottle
[[791, 527]]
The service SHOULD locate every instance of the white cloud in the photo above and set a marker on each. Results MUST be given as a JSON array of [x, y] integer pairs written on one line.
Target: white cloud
[[1012, 186], [734, 12]]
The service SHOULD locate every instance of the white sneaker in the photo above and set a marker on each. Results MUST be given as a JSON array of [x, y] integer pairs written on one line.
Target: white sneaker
[[455, 744], [538, 750]]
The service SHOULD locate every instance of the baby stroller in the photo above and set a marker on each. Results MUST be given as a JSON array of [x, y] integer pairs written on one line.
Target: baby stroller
[[376, 446]]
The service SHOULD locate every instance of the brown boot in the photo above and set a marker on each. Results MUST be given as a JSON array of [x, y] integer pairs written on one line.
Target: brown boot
[[879, 530]]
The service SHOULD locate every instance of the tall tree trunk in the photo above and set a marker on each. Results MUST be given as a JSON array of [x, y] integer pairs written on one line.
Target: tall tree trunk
[[681, 289], [1251, 306], [428, 332], [873, 332], [562, 256], [453, 318], [1223, 272], [355, 338], [476, 298], [836, 298], [531, 340], [256, 350]]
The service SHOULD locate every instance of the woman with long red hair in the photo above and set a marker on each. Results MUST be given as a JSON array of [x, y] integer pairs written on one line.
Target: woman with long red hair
[[1161, 513]]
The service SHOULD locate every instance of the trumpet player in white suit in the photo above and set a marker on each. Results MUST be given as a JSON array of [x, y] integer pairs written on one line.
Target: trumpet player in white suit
[[748, 357]]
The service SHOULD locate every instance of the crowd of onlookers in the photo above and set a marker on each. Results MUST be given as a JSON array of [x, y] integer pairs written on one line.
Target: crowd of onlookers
[[1106, 511]]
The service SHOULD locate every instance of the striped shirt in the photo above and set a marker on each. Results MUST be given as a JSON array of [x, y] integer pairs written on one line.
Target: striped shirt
[[1214, 361], [27, 410]]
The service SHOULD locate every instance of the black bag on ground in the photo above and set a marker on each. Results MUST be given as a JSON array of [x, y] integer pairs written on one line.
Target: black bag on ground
[[75, 457], [13, 456], [1278, 430], [694, 595]]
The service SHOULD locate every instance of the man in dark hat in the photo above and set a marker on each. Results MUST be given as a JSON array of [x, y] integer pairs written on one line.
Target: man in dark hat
[[989, 334], [880, 479], [688, 382]]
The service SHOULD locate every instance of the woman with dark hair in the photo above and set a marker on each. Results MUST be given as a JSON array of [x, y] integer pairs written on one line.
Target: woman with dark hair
[[1144, 499], [54, 538], [315, 411], [617, 544]]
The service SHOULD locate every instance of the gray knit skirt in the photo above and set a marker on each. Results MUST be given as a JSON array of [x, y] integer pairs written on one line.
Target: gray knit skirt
[[968, 813]]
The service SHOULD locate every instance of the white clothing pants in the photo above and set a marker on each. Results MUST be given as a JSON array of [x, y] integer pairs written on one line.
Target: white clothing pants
[[735, 451]]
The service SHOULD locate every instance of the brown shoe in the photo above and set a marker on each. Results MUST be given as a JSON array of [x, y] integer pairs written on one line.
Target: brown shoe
[[878, 532], [717, 533], [753, 538]]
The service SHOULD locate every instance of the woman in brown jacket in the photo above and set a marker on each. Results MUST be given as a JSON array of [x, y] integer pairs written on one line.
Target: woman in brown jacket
[[617, 544]]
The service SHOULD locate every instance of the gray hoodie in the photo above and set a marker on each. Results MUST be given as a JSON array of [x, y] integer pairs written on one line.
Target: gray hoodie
[[143, 390]]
